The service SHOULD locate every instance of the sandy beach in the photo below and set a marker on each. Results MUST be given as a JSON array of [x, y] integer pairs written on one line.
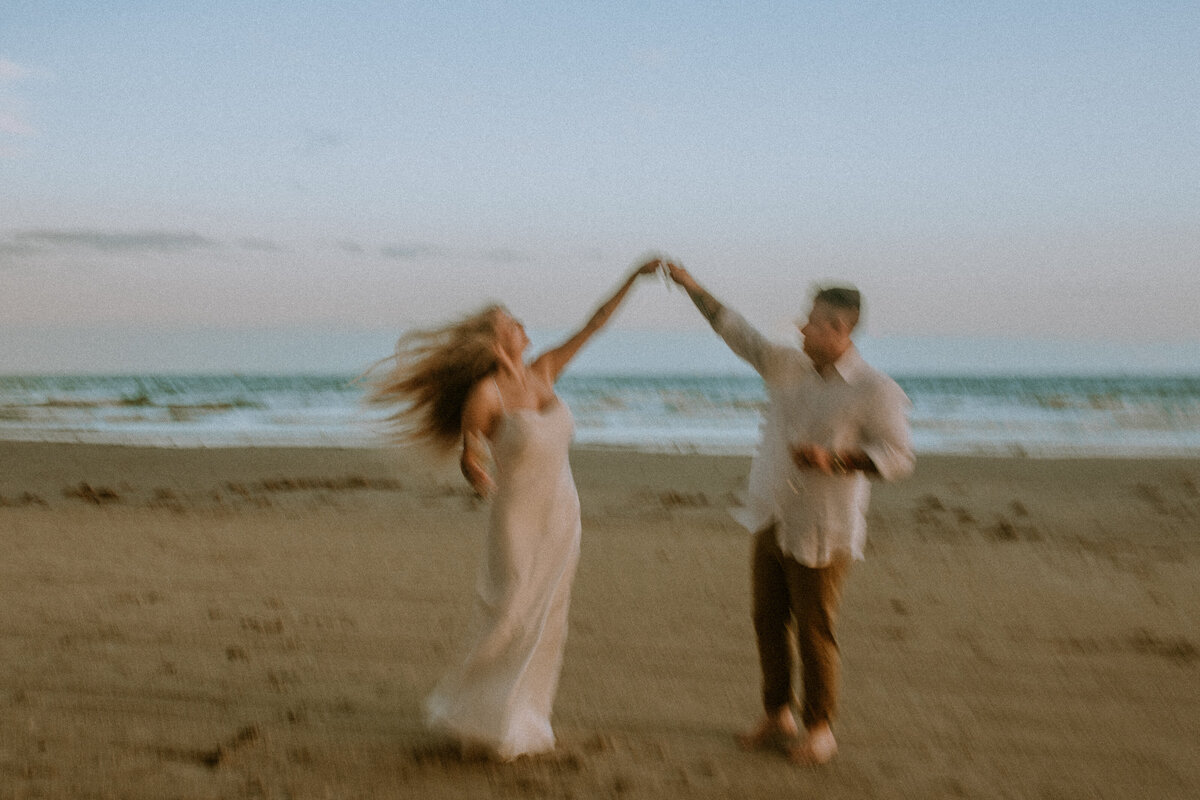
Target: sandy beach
[[264, 623]]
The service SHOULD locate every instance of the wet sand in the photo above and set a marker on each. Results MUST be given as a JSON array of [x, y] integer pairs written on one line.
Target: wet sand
[[264, 623]]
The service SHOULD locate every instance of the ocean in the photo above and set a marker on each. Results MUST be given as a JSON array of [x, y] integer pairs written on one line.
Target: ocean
[[1008, 415]]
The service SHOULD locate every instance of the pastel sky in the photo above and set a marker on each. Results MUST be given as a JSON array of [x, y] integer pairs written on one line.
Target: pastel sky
[[227, 171]]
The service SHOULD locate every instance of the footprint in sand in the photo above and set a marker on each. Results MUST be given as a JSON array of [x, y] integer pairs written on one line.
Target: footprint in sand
[[272, 625], [23, 499], [282, 681], [674, 499], [931, 502], [300, 755], [928, 510], [1176, 648], [98, 495], [215, 756], [1172, 648], [1005, 531], [1151, 496]]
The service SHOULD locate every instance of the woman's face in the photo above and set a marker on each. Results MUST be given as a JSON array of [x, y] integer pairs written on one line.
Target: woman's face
[[510, 335]]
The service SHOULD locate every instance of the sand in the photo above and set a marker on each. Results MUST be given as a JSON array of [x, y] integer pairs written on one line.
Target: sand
[[264, 623]]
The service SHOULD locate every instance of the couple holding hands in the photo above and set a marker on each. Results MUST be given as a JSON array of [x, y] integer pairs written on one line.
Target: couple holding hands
[[832, 423]]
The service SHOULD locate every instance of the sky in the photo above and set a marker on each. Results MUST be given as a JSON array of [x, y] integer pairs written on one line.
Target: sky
[[261, 186]]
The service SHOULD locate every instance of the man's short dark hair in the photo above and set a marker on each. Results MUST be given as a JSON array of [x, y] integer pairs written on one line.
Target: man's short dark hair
[[842, 298]]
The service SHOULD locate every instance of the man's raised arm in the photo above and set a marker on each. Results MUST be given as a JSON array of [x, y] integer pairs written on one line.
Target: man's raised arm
[[708, 305]]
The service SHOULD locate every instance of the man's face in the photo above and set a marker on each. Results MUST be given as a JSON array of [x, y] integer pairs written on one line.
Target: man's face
[[825, 334]]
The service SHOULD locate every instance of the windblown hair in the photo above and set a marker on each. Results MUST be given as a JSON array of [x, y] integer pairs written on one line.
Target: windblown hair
[[430, 375]]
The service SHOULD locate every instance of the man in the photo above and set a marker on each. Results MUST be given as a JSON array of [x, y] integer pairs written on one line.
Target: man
[[831, 423]]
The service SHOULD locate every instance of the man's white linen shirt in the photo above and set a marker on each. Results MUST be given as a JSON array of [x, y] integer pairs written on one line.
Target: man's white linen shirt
[[856, 408]]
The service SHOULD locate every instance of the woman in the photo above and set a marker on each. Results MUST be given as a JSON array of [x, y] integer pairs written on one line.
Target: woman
[[468, 385]]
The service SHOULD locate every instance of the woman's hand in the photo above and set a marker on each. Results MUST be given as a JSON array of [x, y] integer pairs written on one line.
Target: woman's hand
[[648, 268], [473, 464]]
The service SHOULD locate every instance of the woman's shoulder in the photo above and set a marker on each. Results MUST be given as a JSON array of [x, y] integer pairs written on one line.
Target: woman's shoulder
[[540, 368], [484, 395]]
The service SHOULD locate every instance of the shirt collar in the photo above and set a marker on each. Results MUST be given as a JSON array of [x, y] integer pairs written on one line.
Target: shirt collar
[[851, 366]]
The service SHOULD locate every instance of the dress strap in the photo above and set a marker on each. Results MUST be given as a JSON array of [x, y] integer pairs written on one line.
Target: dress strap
[[499, 394]]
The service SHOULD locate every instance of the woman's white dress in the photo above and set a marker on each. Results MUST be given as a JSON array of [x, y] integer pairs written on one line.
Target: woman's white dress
[[500, 693]]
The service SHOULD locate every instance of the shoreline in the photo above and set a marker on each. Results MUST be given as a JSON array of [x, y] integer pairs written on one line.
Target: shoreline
[[372, 443], [970, 414], [241, 623]]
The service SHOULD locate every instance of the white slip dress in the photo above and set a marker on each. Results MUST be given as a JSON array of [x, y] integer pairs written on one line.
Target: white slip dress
[[501, 690]]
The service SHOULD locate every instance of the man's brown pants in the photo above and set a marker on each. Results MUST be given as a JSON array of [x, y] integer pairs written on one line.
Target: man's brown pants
[[787, 594]]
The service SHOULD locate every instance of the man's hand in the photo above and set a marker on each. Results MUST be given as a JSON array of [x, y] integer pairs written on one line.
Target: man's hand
[[813, 456], [681, 276], [705, 302]]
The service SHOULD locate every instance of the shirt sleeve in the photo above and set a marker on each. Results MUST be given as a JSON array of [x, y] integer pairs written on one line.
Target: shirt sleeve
[[746, 342], [887, 440]]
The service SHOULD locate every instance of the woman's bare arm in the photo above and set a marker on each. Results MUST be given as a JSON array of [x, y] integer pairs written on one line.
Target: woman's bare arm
[[551, 363], [480, 413]]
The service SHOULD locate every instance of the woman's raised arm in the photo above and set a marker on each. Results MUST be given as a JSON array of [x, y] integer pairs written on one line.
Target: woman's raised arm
[[551, 363]]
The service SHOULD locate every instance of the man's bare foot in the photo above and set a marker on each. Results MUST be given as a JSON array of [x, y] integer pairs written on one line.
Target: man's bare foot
[[773, 731], [818, 746]]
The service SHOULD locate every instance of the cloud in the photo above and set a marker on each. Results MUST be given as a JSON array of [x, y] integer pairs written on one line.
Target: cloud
[[324, 139], [415, 251], [319, 143], [115, 242], [11, 252], [504, 255], [408, 252], [347, 246], [13, 121], [11, 71], [651, 57], [12, 124], [260, 245]]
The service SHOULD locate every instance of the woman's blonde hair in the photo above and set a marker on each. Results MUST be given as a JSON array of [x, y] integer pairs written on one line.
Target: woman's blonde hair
[[430, 375]]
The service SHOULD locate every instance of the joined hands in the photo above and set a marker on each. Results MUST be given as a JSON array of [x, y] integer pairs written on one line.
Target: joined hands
[[671, 271]]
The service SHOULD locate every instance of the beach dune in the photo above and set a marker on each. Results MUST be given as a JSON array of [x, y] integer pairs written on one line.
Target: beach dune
[[264, 623]]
